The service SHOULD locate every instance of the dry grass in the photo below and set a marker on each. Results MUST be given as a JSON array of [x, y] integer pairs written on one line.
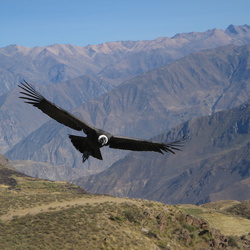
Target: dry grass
[[230, 217], [227, 224], [38, 214], [104, 225]]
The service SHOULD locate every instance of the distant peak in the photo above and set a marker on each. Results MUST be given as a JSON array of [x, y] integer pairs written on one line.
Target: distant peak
[[14, 48], [233, 29]]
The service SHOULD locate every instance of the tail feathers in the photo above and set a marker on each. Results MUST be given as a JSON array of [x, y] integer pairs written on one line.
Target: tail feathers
[[85, 155], [80, 143], [97, 154]]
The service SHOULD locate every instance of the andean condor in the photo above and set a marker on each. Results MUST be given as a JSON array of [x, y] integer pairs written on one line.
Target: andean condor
[[96, 138]]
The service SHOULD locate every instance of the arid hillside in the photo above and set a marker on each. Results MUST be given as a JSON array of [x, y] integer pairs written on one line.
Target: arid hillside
[[55, 215]]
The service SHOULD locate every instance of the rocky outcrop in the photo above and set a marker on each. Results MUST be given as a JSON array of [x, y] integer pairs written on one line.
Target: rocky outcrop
[[218, 241], [197, 222]]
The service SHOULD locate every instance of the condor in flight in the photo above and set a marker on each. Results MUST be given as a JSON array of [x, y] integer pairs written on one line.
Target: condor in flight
[[96, 138]]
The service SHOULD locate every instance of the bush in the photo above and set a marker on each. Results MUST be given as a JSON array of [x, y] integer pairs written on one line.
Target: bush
[[232, 241]]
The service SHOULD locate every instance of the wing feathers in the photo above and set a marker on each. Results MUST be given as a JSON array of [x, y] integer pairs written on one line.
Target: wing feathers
[[31, 96], [28, 88], [127, 143]]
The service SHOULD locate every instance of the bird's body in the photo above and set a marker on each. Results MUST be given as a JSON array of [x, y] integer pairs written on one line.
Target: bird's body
[[96, 138], [91, 144]]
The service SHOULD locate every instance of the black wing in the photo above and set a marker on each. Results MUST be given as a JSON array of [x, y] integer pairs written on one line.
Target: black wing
[[128, 143], [36, 99]]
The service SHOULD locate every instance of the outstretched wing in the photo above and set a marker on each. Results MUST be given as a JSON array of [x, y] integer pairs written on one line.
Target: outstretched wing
[[36, 99], [133, 144]]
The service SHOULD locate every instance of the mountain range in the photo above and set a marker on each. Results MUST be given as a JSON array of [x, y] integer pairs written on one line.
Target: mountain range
[[132, 88], [115, 61], [199, 84]]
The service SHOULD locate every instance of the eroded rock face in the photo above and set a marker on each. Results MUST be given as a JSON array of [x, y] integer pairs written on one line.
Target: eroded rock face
[[198, 222], [220, 241]]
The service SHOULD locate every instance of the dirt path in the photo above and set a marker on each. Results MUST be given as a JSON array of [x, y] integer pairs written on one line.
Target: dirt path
[[55, 206]]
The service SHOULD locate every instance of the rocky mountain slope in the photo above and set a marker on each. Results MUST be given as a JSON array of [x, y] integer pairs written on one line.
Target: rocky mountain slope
[[213, 165], [20, 119], [57, 215], [150, 104]]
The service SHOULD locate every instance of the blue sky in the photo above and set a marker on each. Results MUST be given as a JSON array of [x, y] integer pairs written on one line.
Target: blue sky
[[81, 22]]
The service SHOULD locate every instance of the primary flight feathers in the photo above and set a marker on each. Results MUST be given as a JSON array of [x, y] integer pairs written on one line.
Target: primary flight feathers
[[96, 138]]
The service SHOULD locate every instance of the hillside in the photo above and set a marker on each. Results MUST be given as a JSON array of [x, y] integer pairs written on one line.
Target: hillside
[[213, 165], [57, 215]]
